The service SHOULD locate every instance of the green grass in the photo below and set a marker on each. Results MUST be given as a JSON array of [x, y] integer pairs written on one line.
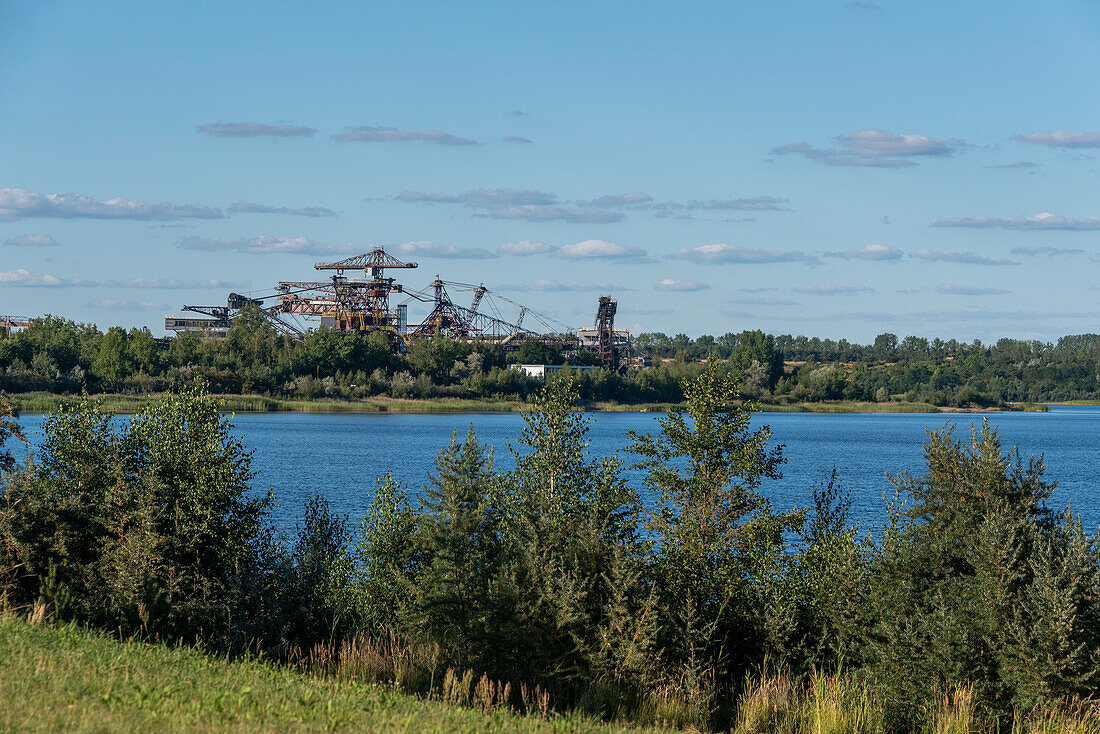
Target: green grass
[[69, 679]]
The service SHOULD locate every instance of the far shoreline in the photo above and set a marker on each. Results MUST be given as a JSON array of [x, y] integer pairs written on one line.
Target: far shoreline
[[40, 403]]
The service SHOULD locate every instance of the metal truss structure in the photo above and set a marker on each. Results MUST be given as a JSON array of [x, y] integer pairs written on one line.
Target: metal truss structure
[[221, 316], [451, 320], [10, 323], [605, 330], [363, 305]]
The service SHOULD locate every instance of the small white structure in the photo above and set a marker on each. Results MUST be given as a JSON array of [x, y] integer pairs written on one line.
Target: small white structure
[[542, 371]]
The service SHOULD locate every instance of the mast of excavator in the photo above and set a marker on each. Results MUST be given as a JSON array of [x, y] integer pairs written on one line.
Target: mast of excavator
[[479, 292], [364, 305], [605, 332]]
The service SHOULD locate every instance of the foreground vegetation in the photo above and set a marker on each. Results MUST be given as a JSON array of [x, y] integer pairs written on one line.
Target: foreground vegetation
[[68, 679], [551, 587], [258, 369], [65, 678]]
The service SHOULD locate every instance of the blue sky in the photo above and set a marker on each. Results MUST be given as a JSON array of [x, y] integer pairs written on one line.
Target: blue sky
[[830, 168]]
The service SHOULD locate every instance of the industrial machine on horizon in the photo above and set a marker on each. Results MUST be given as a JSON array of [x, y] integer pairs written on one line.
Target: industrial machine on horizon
[[363, 305]]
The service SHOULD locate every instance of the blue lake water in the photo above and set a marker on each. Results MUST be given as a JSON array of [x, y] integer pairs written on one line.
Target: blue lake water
[[341, 456]]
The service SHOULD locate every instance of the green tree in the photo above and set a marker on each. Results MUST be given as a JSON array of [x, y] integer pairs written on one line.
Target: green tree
[[460, 601], [717, 536], [112, 360], [976, 582], [757, 347], [9, 428], [435, 357], [142, 351]]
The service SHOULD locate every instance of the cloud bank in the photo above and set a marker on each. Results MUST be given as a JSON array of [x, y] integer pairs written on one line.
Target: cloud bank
[[371, 134], [833, 289], [870, 253], [177, 284], [1044, 220], [600, 250], [1062, 139], [875, 148], [21, 278], [543, 284], [959, 289], [434, 249], [527, 247], [677, 285], [31, 240], [725, 253], [245, 207], [267, 245], [254, 130], [963, 258], [22, 204], [1046, 250], [521, 204]]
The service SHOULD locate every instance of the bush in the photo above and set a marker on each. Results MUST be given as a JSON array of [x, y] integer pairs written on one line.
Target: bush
[[148, 528]]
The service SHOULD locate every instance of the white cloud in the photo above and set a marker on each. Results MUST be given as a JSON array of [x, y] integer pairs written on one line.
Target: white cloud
[[542, 213], [723, 253], [876, 142], [833, 289], [21, 278], [1063, 139], [268, 245], [20, 204], [523, 204], [515, 139], [110, 304], [675, 284], [434, 249], [958, 289], [31, 240], [602, 249], [527, 247], [763, 301], [177, 284], [747, 204], [1017, 164], [1046, 250], [254, 130], [1044, 220], [615, 200], [874, 148], [964, 258], [371, 134], [873, 253], [245, 207], [544, 284]]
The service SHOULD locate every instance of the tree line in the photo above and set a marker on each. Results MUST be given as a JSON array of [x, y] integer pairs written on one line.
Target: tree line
[[58, 355], [555, 577]]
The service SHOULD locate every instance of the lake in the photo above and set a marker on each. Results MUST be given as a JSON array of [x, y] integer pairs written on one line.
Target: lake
[[299, 454]]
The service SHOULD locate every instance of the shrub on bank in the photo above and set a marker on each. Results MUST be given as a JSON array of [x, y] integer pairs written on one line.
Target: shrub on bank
[[554, 584]]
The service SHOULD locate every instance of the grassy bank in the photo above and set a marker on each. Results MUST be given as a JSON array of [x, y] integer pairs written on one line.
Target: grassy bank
[[64, 678], [44, 402], [69, 679]]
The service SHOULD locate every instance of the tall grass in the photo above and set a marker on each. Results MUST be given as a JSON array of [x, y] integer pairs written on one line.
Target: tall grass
[[65, 678], [838, 704]]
